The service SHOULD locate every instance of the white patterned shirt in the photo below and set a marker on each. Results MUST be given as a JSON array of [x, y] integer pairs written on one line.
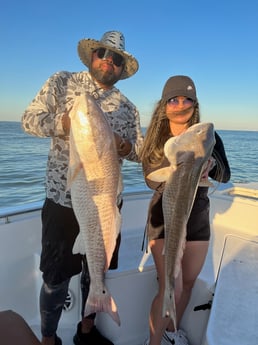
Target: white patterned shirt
[[43, 118]]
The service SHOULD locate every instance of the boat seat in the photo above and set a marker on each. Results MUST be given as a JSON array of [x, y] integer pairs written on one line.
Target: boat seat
[[14, 330], [234, 313]]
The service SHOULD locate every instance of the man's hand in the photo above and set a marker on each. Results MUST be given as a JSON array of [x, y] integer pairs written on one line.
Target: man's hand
[[66, 122], [123, 146]]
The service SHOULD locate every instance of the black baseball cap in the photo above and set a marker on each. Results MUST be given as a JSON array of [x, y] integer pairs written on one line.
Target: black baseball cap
[[179, 85]]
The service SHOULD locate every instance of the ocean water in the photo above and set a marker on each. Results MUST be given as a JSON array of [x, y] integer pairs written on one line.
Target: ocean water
[[23, 163]]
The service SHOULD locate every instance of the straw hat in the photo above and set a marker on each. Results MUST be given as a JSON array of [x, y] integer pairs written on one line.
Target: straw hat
[[112, 40]]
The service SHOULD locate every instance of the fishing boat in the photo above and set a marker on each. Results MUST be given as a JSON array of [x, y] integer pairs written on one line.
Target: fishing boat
[[223, 309]]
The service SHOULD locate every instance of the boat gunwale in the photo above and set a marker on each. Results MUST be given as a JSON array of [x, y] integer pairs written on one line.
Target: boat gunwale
[[7, 212]]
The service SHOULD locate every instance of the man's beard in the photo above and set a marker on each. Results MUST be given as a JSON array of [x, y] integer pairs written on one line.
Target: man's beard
[[105, 78]]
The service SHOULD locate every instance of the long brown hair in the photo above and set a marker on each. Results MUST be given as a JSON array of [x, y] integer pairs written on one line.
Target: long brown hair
[[158, 132]]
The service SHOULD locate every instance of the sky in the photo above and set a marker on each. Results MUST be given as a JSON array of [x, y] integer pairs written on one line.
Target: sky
[[213, 42]]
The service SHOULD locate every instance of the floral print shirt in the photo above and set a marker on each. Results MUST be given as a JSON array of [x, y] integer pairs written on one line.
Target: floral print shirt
[[43, 118]]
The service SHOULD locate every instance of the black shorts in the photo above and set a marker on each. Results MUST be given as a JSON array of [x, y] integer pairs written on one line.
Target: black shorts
[[198, 225], [59, 231]]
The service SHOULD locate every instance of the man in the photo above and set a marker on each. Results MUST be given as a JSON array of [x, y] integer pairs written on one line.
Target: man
[[48, 116]]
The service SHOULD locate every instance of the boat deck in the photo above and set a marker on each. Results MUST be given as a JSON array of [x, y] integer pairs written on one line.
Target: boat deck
[[227, 278], [235, 296]]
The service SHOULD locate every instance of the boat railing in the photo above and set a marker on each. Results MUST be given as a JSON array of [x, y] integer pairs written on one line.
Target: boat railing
[[243, 192], [7, 213]]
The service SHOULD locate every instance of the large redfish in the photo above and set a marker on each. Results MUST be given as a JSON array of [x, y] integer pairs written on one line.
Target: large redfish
[[188, 155], [94, 178]]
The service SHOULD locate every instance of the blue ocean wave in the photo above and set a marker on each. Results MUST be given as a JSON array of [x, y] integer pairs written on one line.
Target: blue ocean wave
[[23, 163]]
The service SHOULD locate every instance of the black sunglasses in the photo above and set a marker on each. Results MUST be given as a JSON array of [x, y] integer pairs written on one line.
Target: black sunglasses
[[103, 53]]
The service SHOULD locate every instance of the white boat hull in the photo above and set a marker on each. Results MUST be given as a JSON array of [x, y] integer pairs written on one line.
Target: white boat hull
[[234, 237]]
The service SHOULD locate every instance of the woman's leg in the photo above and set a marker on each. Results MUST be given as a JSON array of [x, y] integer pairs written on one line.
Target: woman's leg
[[192, 262], [158, 324]]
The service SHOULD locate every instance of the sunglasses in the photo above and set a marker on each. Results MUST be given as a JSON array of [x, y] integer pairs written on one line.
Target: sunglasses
[[174, 102], [103, 53]]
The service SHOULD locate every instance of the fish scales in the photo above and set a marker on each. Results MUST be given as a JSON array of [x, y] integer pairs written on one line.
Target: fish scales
[[187, 153], [94, 178]]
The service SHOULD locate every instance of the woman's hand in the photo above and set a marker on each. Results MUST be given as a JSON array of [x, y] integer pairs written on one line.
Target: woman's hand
[[204, 182]]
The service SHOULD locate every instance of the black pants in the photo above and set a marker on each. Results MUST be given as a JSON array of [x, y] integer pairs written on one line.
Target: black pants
[[198, 225], [59, 264]]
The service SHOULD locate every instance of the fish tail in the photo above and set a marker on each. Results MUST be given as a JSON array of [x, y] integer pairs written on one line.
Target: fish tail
[[169, 307], [105, 303]]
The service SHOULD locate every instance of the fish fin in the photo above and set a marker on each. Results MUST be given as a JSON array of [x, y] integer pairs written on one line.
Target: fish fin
[[160, 175], [144, 259], [118, 221], [73, 171], [170, 148], [103, 303], [78, 247], [205, 183]]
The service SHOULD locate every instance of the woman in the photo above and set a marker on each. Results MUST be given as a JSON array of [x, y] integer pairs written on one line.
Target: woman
[[177, 110]]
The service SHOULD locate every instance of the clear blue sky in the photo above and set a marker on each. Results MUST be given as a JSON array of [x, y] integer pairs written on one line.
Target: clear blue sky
[[214, 42]]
